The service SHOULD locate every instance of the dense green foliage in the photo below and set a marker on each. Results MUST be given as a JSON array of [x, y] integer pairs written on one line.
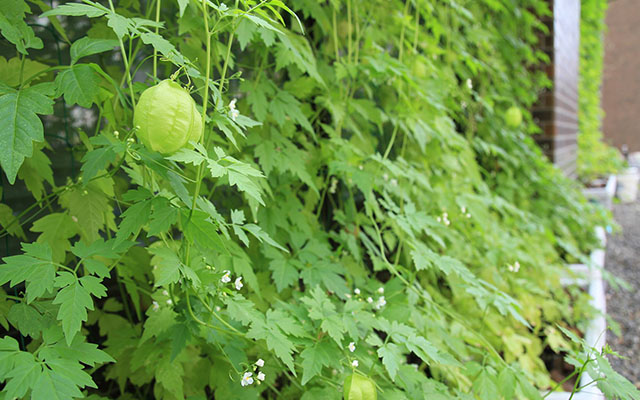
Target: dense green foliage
[[595, 158], [357, 205]]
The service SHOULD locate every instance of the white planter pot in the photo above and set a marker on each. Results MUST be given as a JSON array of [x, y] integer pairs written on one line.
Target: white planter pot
[[595, 336], [603, 195], [627, 190]]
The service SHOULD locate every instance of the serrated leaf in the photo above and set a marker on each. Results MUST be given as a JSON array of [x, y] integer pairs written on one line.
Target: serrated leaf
[[36, 170], [391, 358], [166, 266], [10, 222], [313, 359], [91, 207], [80, 85], [55, 230], [76, 9], [14, 28], [35, 267], [27, 319], [87, 46], [21, 125], [133, 219], [284, 274], [201, 230], [75, 299], [23, 376]]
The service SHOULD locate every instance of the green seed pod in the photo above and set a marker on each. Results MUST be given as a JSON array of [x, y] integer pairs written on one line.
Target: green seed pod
[[358, 387], [167, 118], [513, 117]]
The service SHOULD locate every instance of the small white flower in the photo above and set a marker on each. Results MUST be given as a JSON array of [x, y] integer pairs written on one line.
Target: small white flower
[[394, 182], [381, 303], [169, 302], [369, 300], [347, 295], [260, 376], [469, 84], [74, 218], [334, 185], [164, 292], [218, 308], [246, 379], [239, 284], [385, 176], [155, 306], [232, 107], [516, 267], [355, 363], [464, 104], [463, 210], [352, 347], [468, 215], [226, 278], [360, 167], [438, 219], [381, 290], [260, 363], [447, 222], [356, 291]]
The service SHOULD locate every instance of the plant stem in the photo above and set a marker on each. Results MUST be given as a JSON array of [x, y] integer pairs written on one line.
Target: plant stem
[[155, 52], [125, 60]]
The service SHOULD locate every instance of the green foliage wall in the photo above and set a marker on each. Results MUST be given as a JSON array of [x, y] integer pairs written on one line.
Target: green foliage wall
[[357, 205], [595, 158]]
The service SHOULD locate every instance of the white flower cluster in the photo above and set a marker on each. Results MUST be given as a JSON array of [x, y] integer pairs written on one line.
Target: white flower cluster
[[232, 109], [226, 278], [515, 267], [464, 212], [247, 378], [444, 219]]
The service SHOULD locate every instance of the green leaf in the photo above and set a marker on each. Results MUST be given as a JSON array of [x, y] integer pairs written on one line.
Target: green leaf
[[243, 267], [19, 110], [27, 319], [87, 46], [91, 207], [484, 386], [284, 274], [56, 229], [10, 222], [80, 85], [166, 266], [246, 185], [35, 267], [76, 9], [163, 216], [164, 47], [75, 299], [506, 383], [96, 160], [201, 230], [35, 171], [391, 358], [24, 375], [134, 218], [10, 70], [14, 28], [314, 358]]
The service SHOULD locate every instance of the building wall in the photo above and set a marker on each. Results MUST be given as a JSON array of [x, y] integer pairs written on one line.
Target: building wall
[[621, 83], [557, 110]]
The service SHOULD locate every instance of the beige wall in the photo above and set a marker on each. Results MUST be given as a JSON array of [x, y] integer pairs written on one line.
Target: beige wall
[[621, 86]]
